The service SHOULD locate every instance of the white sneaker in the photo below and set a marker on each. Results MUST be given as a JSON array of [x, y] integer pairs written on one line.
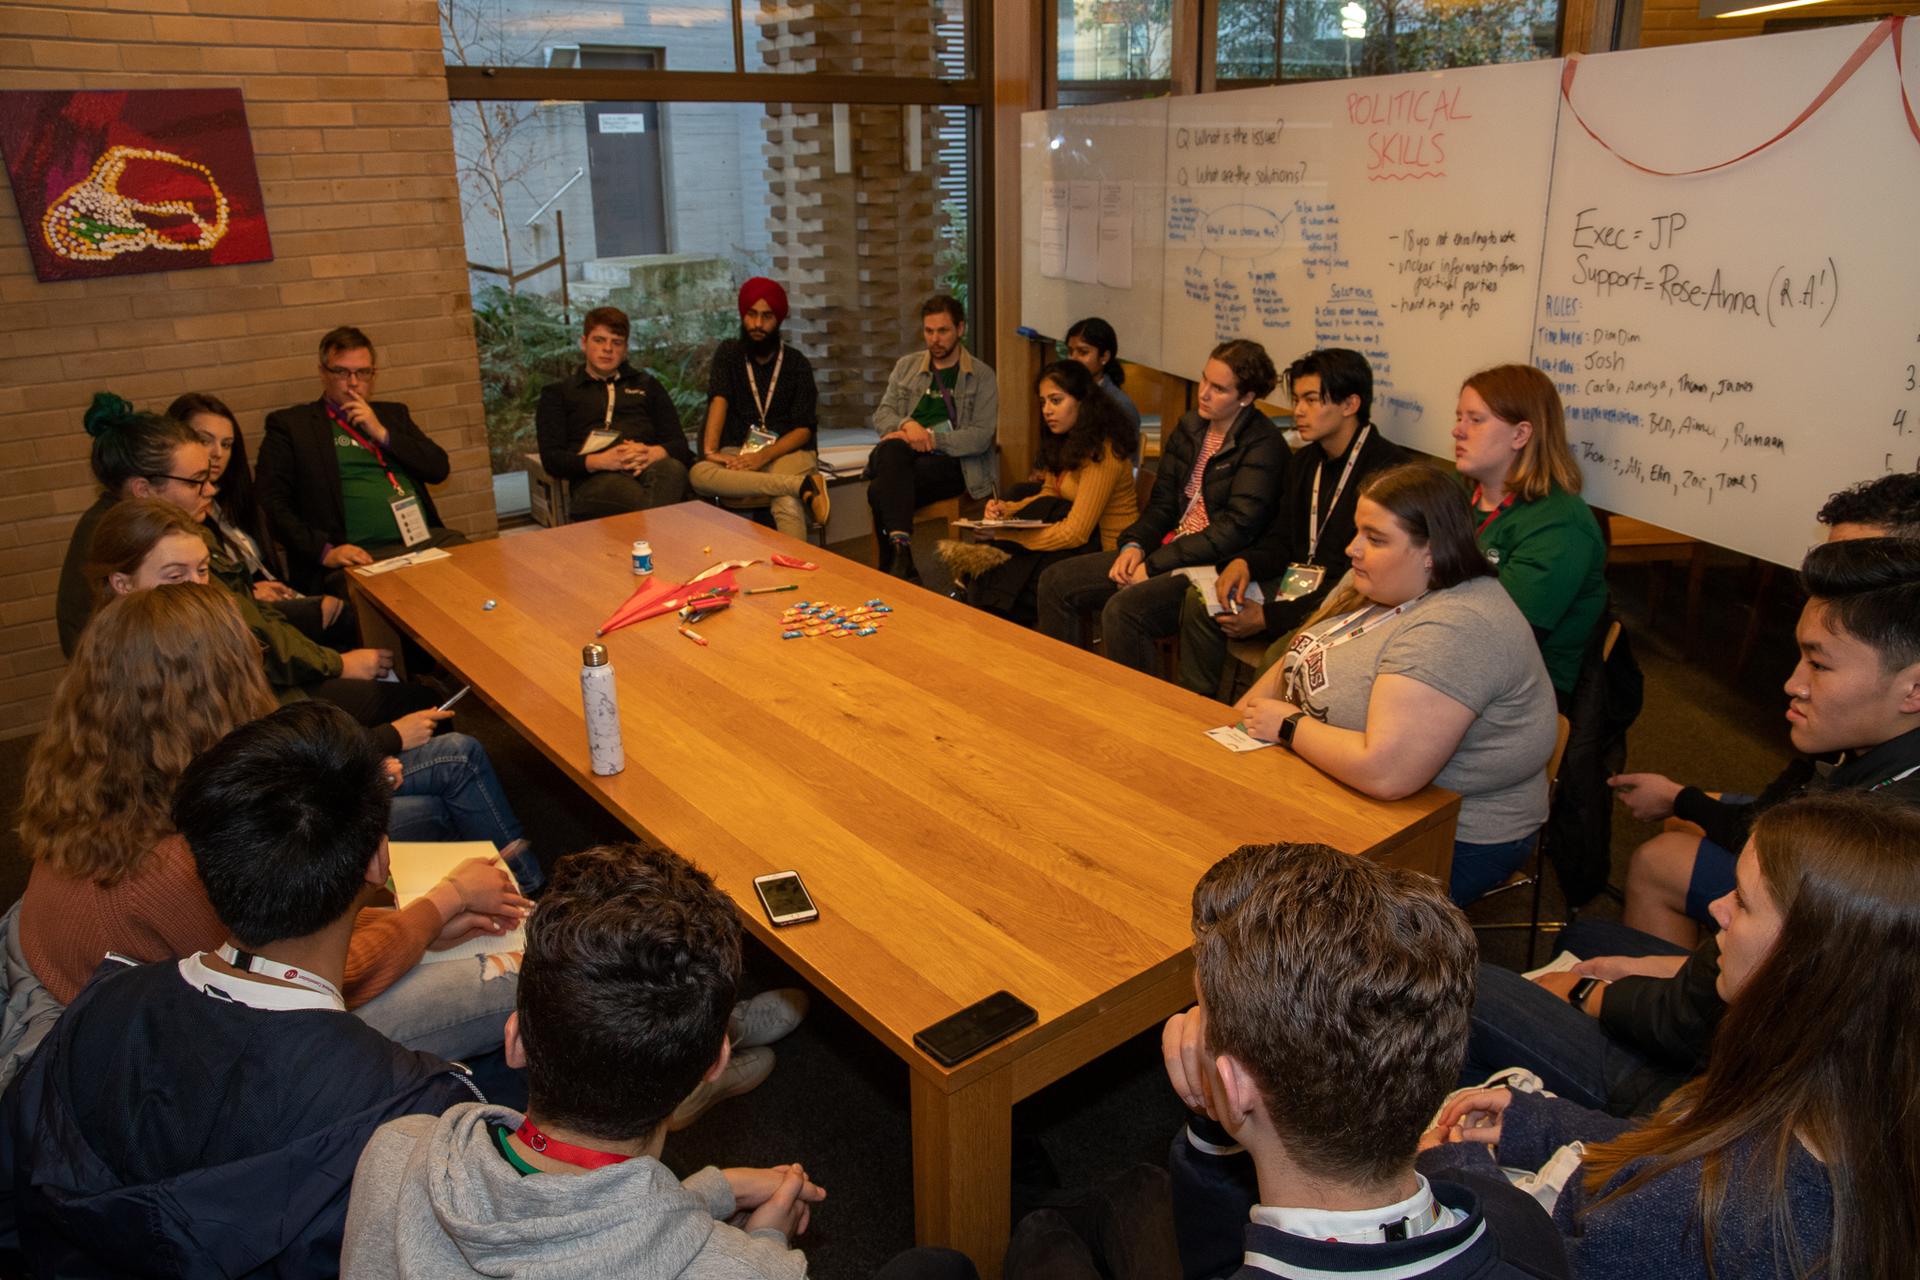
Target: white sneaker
[[746, 1071], [766, 1018]]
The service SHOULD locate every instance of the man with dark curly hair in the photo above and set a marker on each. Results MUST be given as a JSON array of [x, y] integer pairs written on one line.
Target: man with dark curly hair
[[626, 991], [1885, 508]]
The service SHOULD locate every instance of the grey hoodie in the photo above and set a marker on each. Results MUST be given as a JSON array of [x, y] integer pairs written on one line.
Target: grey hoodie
[[432, 1197]]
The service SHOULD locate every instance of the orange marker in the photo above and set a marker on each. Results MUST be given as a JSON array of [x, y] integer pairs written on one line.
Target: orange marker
[[694, 636]]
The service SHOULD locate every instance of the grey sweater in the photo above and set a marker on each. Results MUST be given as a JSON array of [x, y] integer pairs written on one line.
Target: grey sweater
[[433, 1197]]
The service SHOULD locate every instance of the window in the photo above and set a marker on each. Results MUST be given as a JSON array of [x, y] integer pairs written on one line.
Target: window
[[1331, 39], [662, 209], [628, 155], [701, 35], [1109, 49]]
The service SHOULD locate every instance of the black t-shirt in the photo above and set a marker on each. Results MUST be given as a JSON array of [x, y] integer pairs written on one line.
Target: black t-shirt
[[792, 403]]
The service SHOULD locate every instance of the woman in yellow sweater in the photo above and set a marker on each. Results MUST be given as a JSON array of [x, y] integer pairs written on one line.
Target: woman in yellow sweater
[[1086, 497]]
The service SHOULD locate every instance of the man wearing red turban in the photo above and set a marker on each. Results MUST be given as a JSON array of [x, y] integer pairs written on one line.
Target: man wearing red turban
[[761, 417]]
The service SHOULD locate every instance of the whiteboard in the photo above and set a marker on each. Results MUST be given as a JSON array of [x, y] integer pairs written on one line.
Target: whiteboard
[[1725, 369], [1093, 193], [1392, 215], [1734, 346]]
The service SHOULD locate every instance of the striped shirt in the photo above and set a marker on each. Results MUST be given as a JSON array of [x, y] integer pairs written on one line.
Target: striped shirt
[[1195, 518]]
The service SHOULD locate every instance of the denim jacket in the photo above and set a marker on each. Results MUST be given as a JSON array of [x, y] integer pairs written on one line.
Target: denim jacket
[[976, 403]]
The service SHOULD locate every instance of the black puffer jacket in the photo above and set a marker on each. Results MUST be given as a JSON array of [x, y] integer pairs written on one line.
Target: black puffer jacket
[[1241, 486]]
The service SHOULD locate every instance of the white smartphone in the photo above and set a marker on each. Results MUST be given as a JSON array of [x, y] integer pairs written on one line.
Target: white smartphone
[[785, 898], [460, 693]]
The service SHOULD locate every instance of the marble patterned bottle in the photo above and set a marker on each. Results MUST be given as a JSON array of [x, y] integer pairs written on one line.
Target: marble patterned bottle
[[601, 700]]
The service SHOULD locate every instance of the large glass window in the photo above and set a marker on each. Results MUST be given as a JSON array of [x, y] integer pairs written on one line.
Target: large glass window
[[1115, 39], [1111, 49], [700, 35], [595, 170], [662, 209], [1267, 40]]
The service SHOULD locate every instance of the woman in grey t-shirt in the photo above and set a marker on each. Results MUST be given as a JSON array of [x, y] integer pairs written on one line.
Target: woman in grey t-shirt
[[1429, 675]]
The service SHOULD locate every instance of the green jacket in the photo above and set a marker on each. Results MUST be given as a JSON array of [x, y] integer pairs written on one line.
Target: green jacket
[[292, 660], [1552, 560]]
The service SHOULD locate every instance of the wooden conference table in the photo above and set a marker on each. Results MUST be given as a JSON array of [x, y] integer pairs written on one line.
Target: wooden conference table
[[972, 805]]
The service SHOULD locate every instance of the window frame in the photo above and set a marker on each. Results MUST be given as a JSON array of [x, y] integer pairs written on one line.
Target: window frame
[[485, 83]]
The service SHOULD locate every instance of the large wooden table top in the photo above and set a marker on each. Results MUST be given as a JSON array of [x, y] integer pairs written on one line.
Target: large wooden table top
[[973, 806]]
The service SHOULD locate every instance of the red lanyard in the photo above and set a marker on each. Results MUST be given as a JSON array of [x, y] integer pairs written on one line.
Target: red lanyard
[[565, 1152], [340, 420], [1494, 514]]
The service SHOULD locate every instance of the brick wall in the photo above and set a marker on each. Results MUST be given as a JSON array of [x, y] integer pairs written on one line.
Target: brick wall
[[350, 134], [1679, 21]]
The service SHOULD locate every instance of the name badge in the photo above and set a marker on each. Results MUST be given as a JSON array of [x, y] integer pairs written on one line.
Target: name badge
[[758, 438], [1301, 580], [411, 520]]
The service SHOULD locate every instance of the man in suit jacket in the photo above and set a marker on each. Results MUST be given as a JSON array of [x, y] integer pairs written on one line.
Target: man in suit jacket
[[345, 477]]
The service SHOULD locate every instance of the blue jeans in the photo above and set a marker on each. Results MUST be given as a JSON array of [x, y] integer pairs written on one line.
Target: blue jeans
[[449, 791], [445, 1008], [1517, 1023], [1478, 868]]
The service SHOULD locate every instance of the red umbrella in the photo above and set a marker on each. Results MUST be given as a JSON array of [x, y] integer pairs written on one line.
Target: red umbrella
[[654, 598]]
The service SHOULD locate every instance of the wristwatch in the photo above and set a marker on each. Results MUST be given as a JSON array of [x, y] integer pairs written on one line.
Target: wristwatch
[[1578, 993], [1287, 727]]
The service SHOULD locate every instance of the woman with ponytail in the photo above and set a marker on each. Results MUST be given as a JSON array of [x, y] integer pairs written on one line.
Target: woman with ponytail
[[149, 455], [1794, 1155], [135, 455], [1093, 345]]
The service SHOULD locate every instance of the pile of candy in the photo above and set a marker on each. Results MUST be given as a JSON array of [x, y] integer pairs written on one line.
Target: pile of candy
[[821, 619]]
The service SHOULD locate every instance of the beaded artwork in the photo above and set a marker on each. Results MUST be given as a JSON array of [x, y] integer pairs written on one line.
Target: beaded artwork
[[93, 219], [113, 182]]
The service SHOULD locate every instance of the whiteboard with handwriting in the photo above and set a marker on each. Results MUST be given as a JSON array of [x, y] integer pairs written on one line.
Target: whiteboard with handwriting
[[1091, 221], [1377, 214], [1733, 345]]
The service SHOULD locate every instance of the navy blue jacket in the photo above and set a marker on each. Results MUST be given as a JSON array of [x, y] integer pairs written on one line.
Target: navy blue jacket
[[160, 1131], [1654, 1232], [1505, 1234]]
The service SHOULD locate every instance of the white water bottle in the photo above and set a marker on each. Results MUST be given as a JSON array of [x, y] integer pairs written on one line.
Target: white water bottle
[[601, 699]]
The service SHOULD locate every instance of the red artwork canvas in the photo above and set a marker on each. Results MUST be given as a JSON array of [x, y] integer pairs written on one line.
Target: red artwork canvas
[[115, 182]]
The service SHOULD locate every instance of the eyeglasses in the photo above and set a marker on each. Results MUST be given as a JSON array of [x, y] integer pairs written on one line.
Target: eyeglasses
[[349, 375], [202, 481]]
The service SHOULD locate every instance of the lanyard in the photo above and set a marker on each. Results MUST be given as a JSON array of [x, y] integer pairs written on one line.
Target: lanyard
[[945, 393], [1898, 777], [761, 406], [1494, 514], [566, 1152], [340, 420], [1334, 636], [268, 968], [1317, 522]]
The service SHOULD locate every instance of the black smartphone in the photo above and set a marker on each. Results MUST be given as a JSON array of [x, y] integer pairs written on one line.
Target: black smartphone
[[785, 898], [953, 1040]]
